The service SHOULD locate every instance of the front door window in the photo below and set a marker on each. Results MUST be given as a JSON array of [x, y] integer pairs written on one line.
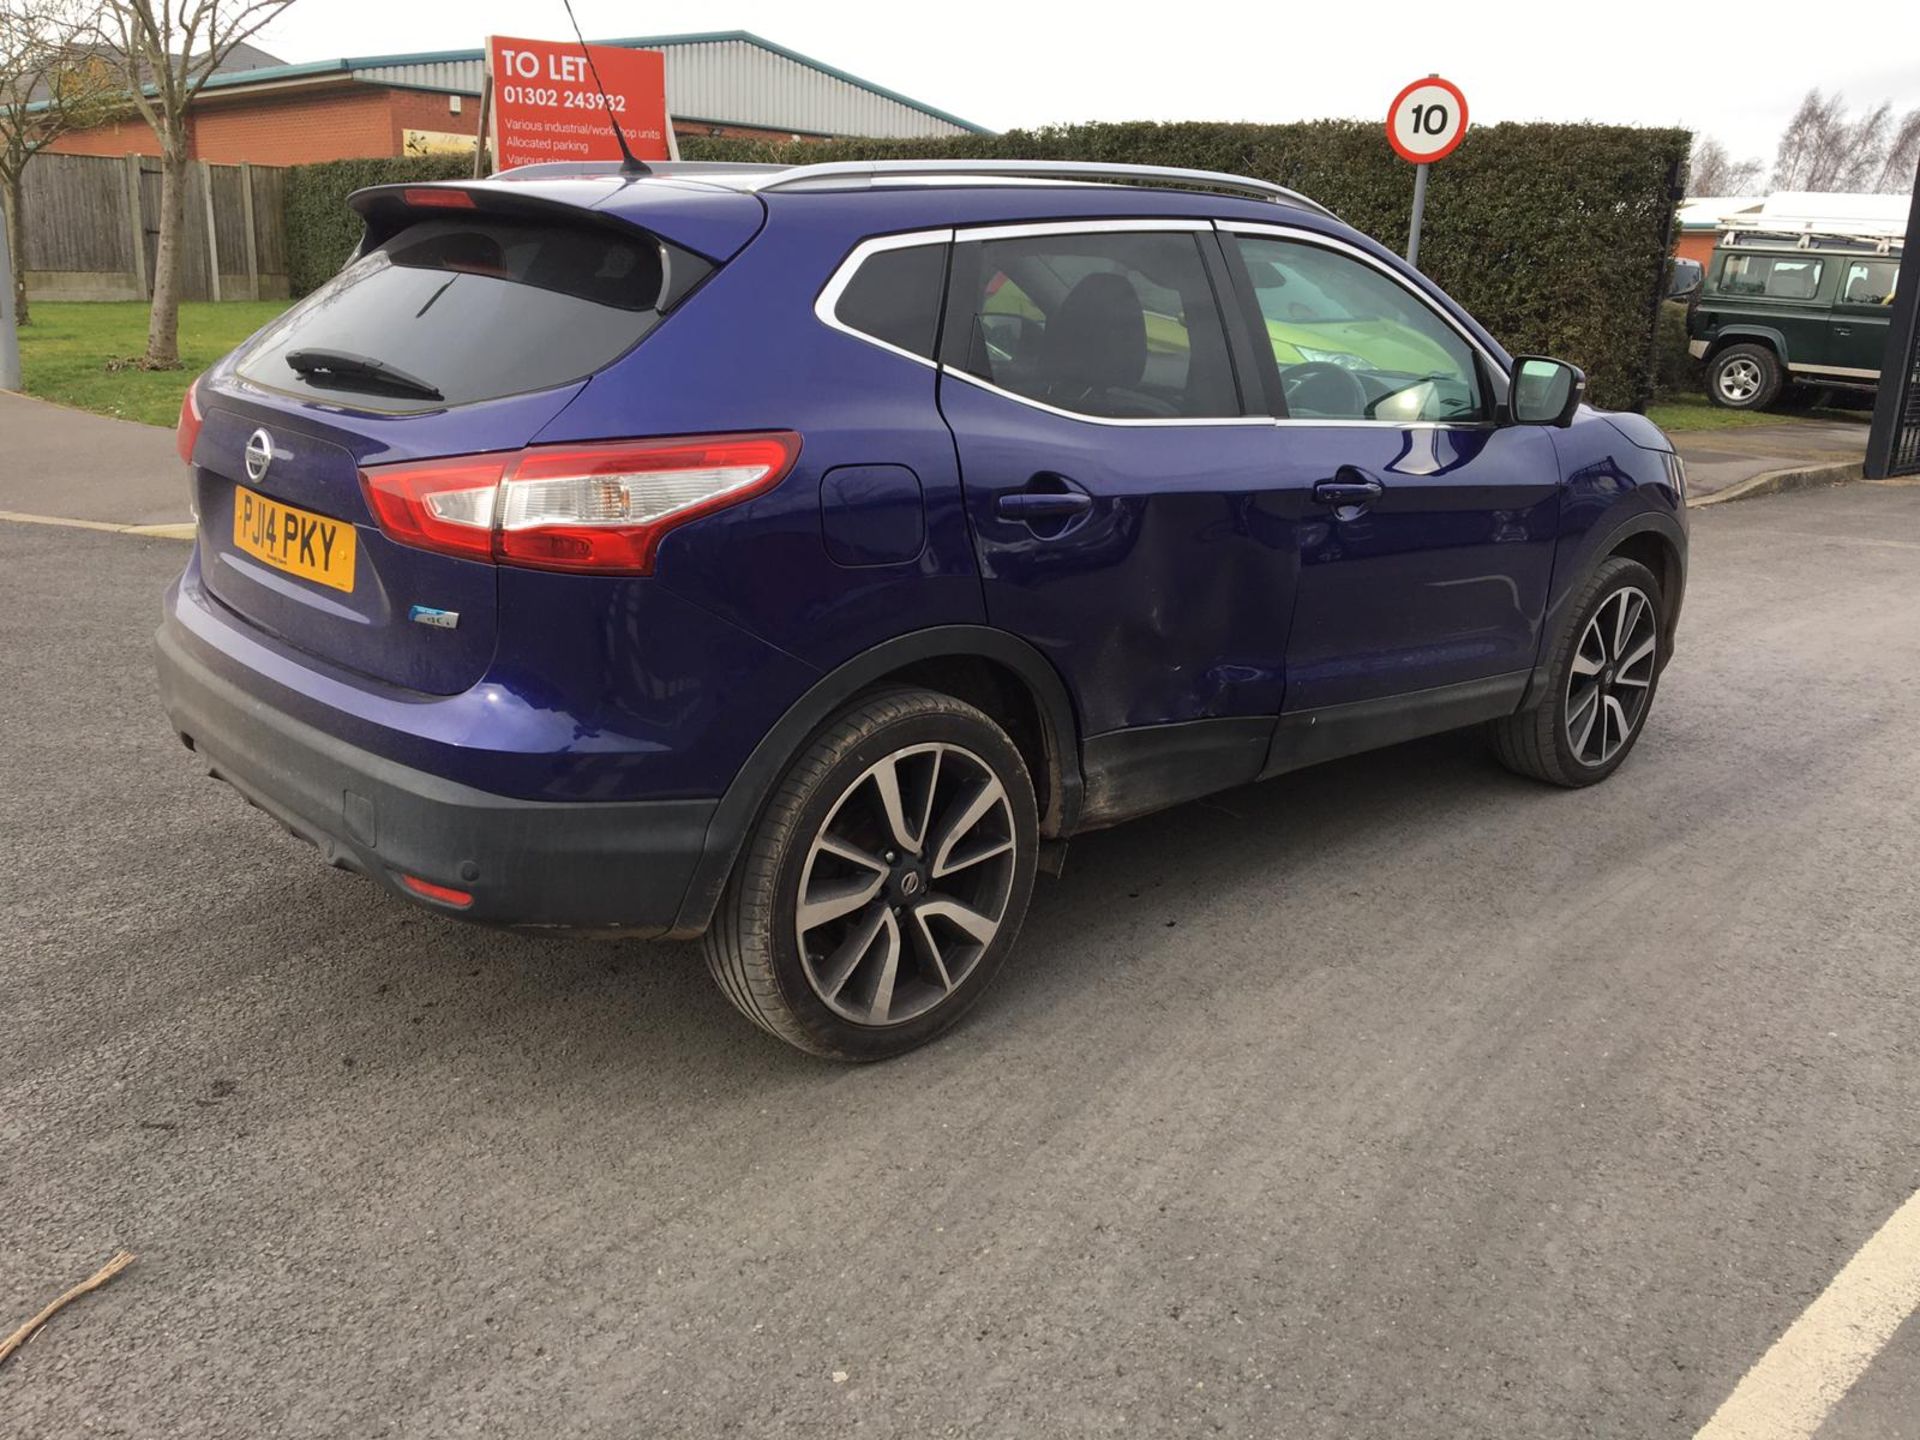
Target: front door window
[[1352, 344]]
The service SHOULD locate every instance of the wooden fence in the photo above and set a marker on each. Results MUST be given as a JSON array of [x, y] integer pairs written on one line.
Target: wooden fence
[[93, 225]]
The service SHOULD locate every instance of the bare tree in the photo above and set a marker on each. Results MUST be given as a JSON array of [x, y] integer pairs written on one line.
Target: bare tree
[[51, 83], [1903, 157], [1826, 148], [168, 50], [1714, 172]]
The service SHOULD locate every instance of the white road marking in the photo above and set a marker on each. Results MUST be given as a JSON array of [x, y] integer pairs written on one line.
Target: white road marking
[[180, 531], [1797, 1382]]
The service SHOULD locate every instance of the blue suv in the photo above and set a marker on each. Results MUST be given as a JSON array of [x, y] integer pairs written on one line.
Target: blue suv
[[797, 557]]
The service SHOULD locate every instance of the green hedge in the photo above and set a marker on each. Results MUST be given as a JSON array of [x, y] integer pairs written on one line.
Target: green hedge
[[322, 231], [1554, 236], [1675, 371]]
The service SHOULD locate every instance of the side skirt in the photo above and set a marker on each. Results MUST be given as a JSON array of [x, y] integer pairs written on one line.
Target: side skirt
[[1137, 771], [1308, 737], [1149, 767]]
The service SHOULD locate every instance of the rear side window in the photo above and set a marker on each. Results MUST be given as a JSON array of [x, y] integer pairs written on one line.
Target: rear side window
[[1870, 282], [1777, 277], [1115, 325], [894, 297], [448, 312]]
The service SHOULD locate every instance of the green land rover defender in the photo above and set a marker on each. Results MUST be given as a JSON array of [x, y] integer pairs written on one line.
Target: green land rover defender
[[1779, 306]]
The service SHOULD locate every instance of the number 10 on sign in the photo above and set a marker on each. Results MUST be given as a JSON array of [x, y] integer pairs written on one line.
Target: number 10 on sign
[[1424, 124]]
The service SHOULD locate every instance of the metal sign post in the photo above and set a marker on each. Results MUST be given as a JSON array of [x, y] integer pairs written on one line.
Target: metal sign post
[[1419, 210], [9, 330], [1425, 122]]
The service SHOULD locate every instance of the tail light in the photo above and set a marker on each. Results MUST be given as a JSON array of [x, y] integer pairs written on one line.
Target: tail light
[[601, 509], [187, 434]]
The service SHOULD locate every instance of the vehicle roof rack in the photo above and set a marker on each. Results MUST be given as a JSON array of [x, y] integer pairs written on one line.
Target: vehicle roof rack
[[1813, 238], [851, 174]]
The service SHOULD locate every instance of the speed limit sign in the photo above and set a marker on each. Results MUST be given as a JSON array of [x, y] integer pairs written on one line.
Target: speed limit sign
[[1424, 124], [1426, 120]]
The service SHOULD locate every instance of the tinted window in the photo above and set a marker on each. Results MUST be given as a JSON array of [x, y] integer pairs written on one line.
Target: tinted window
[[1121, 326], [1870, 282], [1353, 343], [473, 309], [1778, 277], [895, 297]]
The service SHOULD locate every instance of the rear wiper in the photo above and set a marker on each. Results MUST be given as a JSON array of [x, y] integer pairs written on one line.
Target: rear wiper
[[320, 365]]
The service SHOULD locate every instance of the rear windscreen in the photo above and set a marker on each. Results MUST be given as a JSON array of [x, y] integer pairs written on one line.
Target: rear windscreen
[[451, 311]]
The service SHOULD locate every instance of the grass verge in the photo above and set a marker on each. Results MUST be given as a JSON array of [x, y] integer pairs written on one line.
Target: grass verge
[[65, 352], [1678, 414]]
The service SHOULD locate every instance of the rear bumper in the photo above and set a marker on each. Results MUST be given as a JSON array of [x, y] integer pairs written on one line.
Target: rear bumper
[[619, 866]]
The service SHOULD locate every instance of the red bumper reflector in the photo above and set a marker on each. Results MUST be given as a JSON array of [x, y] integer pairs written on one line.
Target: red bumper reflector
[[445, 894]]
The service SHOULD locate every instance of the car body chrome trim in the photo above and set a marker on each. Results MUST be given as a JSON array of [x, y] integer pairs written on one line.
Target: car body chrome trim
[[1021, 229], [829, 298], [1181, 420], [1842, 372]]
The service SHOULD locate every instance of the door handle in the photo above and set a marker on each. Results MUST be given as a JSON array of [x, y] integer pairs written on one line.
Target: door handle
[[1843, 330], [1046, 497], [1030, 506], [1349, 487]]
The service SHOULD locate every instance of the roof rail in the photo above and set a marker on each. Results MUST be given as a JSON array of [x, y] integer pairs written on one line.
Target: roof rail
[[670, 169], [837, 175]]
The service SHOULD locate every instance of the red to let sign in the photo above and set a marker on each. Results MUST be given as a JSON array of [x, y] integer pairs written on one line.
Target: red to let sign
[[546, 106]]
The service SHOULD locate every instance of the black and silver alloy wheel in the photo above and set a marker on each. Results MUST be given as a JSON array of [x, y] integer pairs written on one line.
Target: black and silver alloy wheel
[[906, 884], [886, 880], [1611, 677], [1602, 674]]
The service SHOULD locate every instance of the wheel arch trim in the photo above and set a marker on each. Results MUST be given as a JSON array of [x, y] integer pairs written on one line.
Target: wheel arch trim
[[1600, 546], [747, 795], [1741, 333]]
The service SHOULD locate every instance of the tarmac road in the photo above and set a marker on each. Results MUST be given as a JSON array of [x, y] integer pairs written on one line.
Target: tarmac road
[[1398, 1098]]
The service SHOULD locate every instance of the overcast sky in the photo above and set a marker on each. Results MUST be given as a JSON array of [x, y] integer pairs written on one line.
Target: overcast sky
[[1734, 69]]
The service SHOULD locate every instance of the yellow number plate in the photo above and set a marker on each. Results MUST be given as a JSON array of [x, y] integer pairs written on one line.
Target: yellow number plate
[[296, 541]]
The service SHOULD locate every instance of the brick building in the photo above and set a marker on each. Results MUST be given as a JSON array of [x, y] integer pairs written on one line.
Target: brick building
[[728, 83]]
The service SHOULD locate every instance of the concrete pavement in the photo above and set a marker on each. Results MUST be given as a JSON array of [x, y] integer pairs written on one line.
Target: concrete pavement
[[1398, 1097], [55, 460], [1723, 461]]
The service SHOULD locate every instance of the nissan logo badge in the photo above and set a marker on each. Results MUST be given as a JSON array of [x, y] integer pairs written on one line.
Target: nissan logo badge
[[259, 455]]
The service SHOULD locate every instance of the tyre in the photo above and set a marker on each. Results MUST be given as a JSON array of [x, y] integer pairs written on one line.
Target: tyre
[[885, 882], [1744, 377], [1601, 682]]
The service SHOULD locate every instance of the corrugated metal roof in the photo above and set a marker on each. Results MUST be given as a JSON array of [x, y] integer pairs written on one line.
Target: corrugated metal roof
[[727, 78]]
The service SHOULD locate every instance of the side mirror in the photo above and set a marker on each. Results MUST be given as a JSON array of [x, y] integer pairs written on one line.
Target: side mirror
[[1683, 278], [1545, 391]]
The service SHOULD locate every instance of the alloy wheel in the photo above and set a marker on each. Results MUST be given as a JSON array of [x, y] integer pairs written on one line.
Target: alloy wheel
[[1611, 679], [1740, 380], [906, 884]]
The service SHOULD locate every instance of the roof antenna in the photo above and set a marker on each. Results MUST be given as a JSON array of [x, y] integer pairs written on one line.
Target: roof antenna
[[630, 164]]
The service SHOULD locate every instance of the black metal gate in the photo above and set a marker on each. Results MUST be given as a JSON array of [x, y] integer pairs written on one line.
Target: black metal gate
[[1893, 445]]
